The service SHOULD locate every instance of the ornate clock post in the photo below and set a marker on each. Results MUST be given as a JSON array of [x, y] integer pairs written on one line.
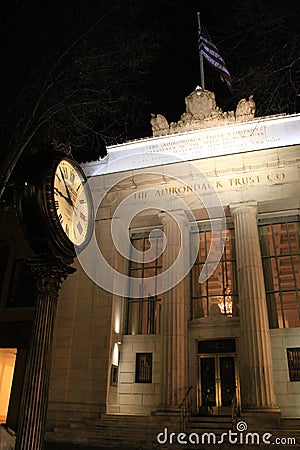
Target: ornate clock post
[[55, 207], [48, 274]]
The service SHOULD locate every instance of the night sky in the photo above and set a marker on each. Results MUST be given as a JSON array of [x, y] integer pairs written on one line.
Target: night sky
[[259, 41], [247, 35]]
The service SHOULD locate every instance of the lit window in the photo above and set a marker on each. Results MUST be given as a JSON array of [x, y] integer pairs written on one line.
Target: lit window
[[7, 366], [281, 264], [143, 369], [293, 356], [143, 313], [219, 291]]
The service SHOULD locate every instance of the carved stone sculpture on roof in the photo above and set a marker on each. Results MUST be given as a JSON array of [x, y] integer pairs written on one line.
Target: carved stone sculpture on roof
[[245, 109], [202, 112], [160, 126], [199, 104]]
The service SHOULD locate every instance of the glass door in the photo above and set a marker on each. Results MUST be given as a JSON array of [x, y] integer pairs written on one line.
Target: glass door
[[217, 384], [227, 381], [208, 384]]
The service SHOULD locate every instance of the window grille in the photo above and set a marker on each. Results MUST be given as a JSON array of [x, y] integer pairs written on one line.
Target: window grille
[[143, 372], [293, 355]]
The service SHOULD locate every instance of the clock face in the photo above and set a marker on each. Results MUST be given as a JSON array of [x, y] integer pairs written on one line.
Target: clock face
[[72, 203]]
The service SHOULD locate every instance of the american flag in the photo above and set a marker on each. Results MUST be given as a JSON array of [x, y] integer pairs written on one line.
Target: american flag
[[212, 55]]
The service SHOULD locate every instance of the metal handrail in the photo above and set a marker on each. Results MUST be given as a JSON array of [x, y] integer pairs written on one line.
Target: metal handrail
[[235, 411], [185, 410]]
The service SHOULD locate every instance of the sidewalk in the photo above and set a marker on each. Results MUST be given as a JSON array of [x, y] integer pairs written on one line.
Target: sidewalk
[[59, 446], [65, 446]]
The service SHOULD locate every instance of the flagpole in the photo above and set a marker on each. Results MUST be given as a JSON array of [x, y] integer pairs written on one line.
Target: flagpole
[[200, 53]]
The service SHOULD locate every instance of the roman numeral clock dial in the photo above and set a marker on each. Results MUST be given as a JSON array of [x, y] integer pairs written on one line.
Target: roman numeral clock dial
[[72, 202], [55, 205]]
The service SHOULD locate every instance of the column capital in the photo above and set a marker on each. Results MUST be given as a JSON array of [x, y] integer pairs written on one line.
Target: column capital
[[243, 207], [49, 273]]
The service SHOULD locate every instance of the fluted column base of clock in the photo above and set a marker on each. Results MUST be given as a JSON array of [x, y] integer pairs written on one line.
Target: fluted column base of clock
[[32, 416]]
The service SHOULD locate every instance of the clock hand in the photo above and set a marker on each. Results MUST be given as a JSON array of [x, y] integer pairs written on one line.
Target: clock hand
[[63, 196], [66, 186], [69, 200]]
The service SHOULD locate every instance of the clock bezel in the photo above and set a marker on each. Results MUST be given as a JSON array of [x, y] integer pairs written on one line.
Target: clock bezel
[[37, 209]]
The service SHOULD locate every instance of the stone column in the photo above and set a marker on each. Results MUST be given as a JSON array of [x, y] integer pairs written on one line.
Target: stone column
[[257, 385], [33, 409], [174, 314]]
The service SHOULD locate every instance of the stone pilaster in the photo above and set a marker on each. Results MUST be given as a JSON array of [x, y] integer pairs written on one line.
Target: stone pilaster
[[33, 409], [174, 313], [257, 385]]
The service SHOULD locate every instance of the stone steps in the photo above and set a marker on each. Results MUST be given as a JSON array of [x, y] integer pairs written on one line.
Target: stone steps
[[220, 423], [140, 432], [113, 431]]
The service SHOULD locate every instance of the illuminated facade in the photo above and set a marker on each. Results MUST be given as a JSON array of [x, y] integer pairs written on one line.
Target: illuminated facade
[[190, 283], [135, 347]]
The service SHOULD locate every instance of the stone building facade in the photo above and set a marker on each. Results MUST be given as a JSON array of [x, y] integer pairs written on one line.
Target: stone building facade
[[190, 283], [136, 329]]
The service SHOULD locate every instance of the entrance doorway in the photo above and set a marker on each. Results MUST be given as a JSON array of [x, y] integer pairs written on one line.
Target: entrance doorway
[[218, 380]]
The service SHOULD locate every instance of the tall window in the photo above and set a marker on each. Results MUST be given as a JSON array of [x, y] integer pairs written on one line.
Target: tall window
[[143, 313], [219, 291], [281, 264], [23, 287], [4, 254]]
